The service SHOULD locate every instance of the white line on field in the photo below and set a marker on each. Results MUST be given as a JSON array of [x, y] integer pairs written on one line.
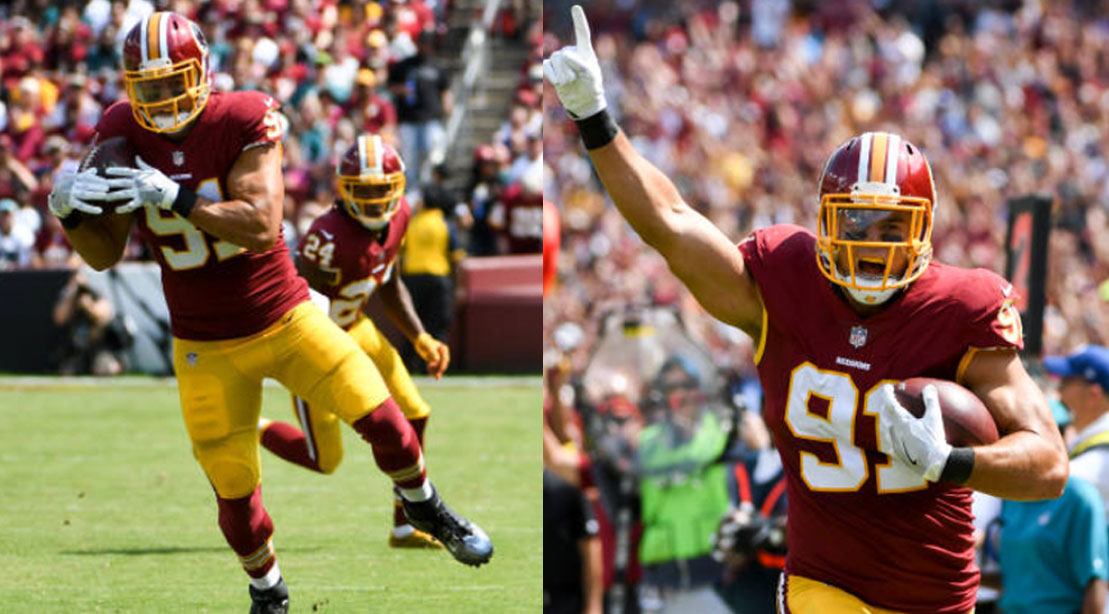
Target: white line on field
[[33, 382]]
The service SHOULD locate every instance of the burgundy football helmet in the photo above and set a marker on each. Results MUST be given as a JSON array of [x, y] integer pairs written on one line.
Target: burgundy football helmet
[[876, 201], [370, 181], [165, 71]]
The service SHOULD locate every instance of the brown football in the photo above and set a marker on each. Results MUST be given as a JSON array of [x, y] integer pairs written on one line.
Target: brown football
[[114, 151], [966, 421]]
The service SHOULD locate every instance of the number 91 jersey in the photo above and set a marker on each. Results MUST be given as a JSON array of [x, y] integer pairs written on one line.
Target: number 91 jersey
[[858, 520], [346, 262], [214, 289]]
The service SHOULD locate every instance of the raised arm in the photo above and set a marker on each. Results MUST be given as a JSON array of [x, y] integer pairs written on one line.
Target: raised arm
[[699, 254], [706, 261], [1030, 460]]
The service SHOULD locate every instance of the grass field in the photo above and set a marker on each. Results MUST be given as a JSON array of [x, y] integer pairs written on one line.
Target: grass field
[[103, 509]]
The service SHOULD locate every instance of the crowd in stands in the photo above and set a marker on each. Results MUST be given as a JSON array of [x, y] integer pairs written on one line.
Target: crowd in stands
[[338, 68], [741, 103]]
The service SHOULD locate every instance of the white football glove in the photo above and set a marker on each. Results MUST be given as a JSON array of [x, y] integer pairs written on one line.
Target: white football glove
[[575, 73], [72, 191], [920, 442], [146, 185]]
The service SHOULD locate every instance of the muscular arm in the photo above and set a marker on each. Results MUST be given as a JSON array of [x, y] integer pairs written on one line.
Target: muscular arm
[[398, 305], [251, 215], [1029, 462], [101, 239], [706, 261], [1094, 600]]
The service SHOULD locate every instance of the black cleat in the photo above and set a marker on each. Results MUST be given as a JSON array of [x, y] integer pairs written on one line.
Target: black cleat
[[273, 600], [463, 539]]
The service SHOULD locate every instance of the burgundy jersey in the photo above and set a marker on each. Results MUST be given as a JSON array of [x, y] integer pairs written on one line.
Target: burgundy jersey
[[521, 220], [214, 289], [350, 260], [857, 519]]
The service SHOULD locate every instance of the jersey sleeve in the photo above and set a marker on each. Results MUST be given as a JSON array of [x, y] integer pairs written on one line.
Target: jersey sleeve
[[257, 119], [992, 319], [322, 279], [768, 252]]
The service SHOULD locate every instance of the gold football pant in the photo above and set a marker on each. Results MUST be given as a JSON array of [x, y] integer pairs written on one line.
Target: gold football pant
[[319, 424], [800, 595], [220, 384]]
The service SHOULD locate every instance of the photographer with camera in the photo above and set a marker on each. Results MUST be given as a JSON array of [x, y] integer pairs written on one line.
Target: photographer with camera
[[94, 340], [751, 539], [683, 490]]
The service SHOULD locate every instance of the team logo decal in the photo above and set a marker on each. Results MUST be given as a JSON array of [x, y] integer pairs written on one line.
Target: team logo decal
[[857, 338], [179, 158]]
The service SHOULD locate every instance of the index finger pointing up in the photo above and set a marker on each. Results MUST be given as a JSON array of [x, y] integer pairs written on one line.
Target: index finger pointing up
[[582, 39]]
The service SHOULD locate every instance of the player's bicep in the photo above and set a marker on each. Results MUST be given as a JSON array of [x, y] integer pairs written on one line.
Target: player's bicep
[[256, 178], [1017, 404], [711, 266]]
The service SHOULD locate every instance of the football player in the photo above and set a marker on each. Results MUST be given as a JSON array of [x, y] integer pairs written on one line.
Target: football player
[[879, 502], [206, 195], [349, 253]]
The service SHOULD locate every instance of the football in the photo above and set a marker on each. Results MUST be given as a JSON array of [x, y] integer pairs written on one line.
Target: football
[[114, 151], [966, 421]]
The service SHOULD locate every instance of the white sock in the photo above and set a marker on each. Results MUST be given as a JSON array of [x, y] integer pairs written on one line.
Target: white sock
[[403, 530], [272, 577], [415, 495]]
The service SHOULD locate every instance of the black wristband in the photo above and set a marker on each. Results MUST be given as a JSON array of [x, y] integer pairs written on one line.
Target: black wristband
[[71, 221], [597, 130], [960, 463], [184, 203]]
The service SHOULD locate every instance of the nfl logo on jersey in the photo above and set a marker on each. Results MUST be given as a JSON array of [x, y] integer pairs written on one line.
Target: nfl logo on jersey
[[858, 336]]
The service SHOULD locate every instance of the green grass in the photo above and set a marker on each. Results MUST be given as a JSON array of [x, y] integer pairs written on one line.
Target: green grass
[[103, 509]]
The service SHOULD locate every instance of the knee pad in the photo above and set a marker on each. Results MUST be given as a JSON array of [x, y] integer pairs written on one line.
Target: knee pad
[[231, 466]]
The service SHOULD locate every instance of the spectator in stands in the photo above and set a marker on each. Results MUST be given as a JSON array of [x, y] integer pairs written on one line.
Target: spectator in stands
[[16, 179], [52, 249], [93, 340], [518, 216], [423, 99], [16, 240], [377, 113], [1084, 390], [484, 192], [429, 255]]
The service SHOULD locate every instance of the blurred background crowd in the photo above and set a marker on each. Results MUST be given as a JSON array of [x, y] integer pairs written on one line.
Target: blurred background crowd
[[740, 102], [338, 68]]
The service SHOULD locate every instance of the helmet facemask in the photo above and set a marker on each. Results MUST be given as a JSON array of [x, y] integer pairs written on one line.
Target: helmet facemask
[[873, 241], [371, 199], [165, 100]]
